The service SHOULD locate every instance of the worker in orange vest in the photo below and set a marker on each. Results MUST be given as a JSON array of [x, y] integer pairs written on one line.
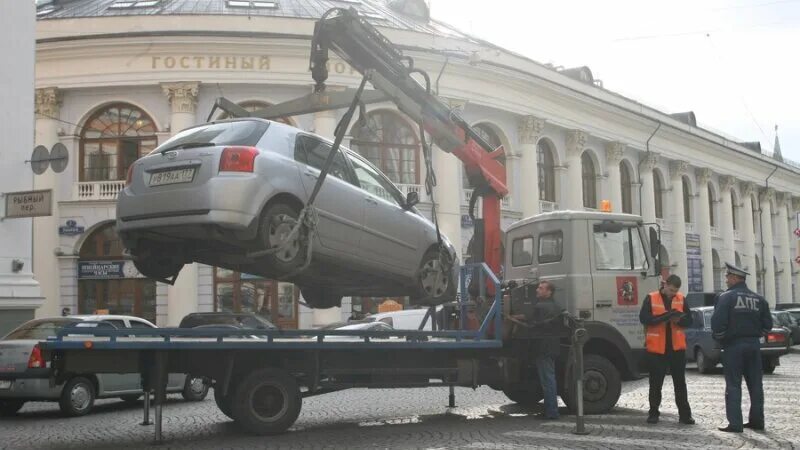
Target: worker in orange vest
[[665, 314]]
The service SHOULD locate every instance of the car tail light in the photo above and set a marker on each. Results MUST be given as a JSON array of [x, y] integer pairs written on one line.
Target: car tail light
[[238, 159], [776, 338], [129, 177], [36, 361]]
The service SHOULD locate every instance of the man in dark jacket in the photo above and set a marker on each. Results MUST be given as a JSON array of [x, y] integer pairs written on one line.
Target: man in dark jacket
[[665, 314], [546, 349], [740, 318]]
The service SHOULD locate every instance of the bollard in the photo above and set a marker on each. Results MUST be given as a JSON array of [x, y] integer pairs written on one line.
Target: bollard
[[578, 339], [452, 397]]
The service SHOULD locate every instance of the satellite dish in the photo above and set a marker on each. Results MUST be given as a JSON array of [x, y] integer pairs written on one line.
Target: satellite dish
[[59, 157], [40, 159]]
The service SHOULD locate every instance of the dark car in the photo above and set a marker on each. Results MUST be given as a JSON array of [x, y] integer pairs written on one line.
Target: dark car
[[703, 349], [783, 306], [787, 320], [238, 320], [697, 299]]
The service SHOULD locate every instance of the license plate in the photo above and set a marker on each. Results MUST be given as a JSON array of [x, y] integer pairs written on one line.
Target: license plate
[[172, 177], [5, 384]]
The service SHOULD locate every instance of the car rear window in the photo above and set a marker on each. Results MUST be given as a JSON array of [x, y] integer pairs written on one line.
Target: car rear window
[[243, 132], [39, 330]]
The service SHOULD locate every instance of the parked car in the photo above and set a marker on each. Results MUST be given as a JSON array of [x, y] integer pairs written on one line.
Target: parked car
[[795, 312], [25, 375], [238, 320], [783, 306], [406, 319], [787, 320], [703, 349], [215, 193], [370, 326], [697, 299]]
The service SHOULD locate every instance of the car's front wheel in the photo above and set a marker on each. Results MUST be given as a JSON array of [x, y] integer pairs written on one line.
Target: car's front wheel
[[435, 281], [10, 407]]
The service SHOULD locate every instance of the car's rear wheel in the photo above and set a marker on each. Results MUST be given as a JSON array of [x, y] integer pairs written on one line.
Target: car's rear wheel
[[435, 283], [77, 397], [277, 222], [320, 298], [703, 365], [158, 267], [768, 365], [10, 407]]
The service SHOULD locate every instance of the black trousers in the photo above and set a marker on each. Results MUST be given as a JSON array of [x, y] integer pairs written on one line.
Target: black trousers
[[675, 361]]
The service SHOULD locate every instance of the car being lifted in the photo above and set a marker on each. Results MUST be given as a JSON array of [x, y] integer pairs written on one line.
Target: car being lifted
[[229, 194]]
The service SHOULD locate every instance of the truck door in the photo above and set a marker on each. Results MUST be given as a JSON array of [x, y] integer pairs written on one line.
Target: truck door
[[619, 277]]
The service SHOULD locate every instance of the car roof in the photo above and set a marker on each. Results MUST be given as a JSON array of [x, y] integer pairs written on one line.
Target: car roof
[[107, 317], [703, 308]]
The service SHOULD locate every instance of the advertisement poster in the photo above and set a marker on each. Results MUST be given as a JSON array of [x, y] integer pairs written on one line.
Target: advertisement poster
[[694, 263]]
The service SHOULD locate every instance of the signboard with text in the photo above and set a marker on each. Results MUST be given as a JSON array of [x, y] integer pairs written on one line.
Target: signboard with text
[[100, 270], [29, 204], [694, 263]]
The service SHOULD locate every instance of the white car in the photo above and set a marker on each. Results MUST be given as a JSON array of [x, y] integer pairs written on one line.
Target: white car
[[25, 374]]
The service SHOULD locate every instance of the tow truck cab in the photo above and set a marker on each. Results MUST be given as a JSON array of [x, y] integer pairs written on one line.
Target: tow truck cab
[[602, 266]]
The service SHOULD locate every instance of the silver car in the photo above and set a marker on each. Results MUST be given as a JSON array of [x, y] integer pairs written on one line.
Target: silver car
[[223, 192], [25, 374]]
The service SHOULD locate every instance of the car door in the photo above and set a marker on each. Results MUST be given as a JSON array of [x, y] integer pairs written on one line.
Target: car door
[[694, 333], [392, 233], [339, 203]]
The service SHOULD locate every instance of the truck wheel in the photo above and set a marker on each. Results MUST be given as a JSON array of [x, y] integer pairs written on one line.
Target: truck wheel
[[703, 365], [277, 221], [768, 365], [602, 386], [223, 402], [9, 408], [195, 389], [525, 396], [435, 282], [77, 397], [267, 401]]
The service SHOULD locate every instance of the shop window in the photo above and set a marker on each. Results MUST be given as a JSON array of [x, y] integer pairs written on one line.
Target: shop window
[[626, 188], [239, 292], [589, 176], [687, 200], [390, 144], [112, 139], [658, 193], [547, 172]]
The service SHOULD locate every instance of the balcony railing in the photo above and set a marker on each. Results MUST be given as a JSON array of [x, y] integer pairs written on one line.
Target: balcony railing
[[662, 223], [691, 228], [418, 188], [546, 206], [98, 190]]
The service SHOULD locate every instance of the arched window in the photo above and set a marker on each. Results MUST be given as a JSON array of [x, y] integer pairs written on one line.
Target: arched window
[[658, 192], [112, 139], [589, 176], [711, 202], [547, 171], [255, 105], [663, 258], [718, 269], [737, 259], [687, 201], [734, 211], [759, 277], [756, 215], [391, 144], [625, 181], [108, 282], [488, 135]]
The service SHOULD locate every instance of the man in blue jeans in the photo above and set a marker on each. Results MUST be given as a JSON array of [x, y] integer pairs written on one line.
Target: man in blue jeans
[[546, 349], [740, 318]]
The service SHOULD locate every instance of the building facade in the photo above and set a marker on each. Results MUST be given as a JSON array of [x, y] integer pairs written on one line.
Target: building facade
[[115, 78]]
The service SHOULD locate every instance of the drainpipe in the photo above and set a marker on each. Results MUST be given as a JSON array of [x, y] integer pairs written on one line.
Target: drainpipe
[[639, 168]]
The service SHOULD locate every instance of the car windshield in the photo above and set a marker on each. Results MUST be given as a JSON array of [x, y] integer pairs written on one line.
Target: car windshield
[[39, 329], [244, 132]]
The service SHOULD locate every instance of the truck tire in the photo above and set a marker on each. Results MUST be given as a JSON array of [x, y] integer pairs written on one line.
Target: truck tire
[[267, 401], [195, 389], [223, 402], [77, 397], [525, 395], [9, 408], [602, 386]]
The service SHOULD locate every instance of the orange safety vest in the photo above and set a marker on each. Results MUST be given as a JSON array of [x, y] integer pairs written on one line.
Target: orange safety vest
[[656, 341]]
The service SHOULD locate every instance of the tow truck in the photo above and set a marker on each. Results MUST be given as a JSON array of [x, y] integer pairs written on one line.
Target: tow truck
[[599, 263]]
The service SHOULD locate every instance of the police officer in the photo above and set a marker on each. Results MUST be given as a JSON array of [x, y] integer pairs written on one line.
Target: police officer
[[740, 318], [665, 314]]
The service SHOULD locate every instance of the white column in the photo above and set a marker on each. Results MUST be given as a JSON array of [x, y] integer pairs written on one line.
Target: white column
[[182, 297], [20, 293], [767, 261], [677, 169], [614, 152], [785, 254], [648, 198], [573, 192], [45, 229], [703, 176], [795, 205], [530, 128], [748, 232], [728, 250]]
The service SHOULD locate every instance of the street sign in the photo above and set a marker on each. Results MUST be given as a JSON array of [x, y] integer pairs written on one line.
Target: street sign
[[29, 204], [40, 159], [71, 229], [59, 157]]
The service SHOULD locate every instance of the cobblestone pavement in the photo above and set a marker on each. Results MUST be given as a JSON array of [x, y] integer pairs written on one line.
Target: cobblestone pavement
[[418, 418]]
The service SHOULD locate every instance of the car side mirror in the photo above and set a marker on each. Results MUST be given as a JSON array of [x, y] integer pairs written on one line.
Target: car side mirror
[[412, 198]]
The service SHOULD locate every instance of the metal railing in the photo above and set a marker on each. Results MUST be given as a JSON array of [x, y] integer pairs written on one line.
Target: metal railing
[[691, 228], [98, 190], [505, 202], [547, 206]]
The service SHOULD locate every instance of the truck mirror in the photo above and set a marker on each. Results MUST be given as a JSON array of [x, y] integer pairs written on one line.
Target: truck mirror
[[412, 198], [655, 244]]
